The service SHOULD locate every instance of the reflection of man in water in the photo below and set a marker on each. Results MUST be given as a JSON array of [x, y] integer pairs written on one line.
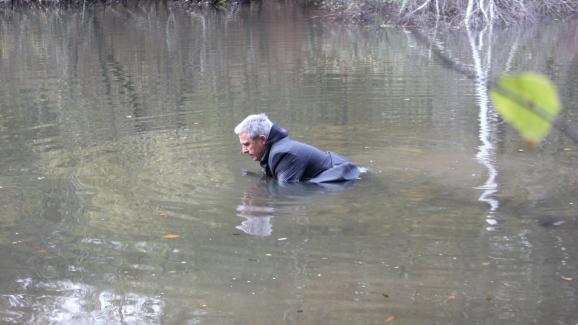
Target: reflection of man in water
[[266, 199], [255, 212], [287, 160]]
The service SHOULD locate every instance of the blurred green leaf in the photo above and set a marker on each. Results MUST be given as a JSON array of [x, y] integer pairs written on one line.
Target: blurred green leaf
[[529, 102]]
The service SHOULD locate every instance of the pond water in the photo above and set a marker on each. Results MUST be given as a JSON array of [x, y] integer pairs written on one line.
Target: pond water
[[124, 199]]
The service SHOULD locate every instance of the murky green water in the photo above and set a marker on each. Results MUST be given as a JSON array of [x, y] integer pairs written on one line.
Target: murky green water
[[116, 130]]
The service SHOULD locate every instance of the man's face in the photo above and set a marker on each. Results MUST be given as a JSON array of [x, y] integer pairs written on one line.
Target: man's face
[[253, 147]]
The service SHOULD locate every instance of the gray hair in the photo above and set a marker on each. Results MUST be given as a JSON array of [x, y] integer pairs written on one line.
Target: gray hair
[[255, 125]]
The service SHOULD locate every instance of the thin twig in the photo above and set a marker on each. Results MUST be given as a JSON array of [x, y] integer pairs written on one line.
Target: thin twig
[[418, 8]]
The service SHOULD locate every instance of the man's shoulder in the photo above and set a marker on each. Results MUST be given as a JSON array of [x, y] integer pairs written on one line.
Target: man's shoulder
[[284, 145], [296, 150], [288, 145]]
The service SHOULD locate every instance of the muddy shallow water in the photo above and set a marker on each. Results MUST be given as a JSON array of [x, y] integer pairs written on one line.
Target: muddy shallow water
[[124, 199]]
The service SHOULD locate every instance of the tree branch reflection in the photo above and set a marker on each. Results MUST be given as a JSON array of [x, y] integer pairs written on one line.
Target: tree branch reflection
[[487, 118]]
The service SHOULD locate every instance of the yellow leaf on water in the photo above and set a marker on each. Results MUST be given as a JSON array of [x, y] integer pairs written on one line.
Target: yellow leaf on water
[[42, 251], [390, 319], [567, 278], [170, 236], [485, 263], [451, 297]]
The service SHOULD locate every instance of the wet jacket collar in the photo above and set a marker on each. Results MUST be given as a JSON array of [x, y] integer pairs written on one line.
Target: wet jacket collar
[[275, 135]]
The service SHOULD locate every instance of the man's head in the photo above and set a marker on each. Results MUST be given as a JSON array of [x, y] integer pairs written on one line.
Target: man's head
[[253, 133]]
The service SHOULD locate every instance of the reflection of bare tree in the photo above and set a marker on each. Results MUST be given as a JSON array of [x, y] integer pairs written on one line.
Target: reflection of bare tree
[[482, 54], [481, 48], [481, 45]]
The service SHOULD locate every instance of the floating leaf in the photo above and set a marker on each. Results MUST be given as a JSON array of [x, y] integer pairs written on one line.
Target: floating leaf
[[567, 278], [527, 101], [390, 319], [42, 251], [451, 297], [170, 236], [485, 263]]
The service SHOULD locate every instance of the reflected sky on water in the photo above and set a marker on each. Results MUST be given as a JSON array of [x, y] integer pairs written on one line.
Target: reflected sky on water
[[124, 198]]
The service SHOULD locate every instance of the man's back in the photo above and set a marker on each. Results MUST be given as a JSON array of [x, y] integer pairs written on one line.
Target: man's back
[[291, 161]]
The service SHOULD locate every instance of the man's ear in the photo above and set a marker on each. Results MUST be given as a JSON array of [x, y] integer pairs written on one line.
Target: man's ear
[[263, 138]]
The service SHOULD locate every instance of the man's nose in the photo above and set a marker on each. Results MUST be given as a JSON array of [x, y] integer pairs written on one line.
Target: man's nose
[[244, 150]]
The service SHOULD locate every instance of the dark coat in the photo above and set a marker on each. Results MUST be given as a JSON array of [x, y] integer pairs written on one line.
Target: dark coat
[[291, 161]]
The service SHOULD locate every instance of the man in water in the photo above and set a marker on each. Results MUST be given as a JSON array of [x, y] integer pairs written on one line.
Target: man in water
[[287, 160]]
